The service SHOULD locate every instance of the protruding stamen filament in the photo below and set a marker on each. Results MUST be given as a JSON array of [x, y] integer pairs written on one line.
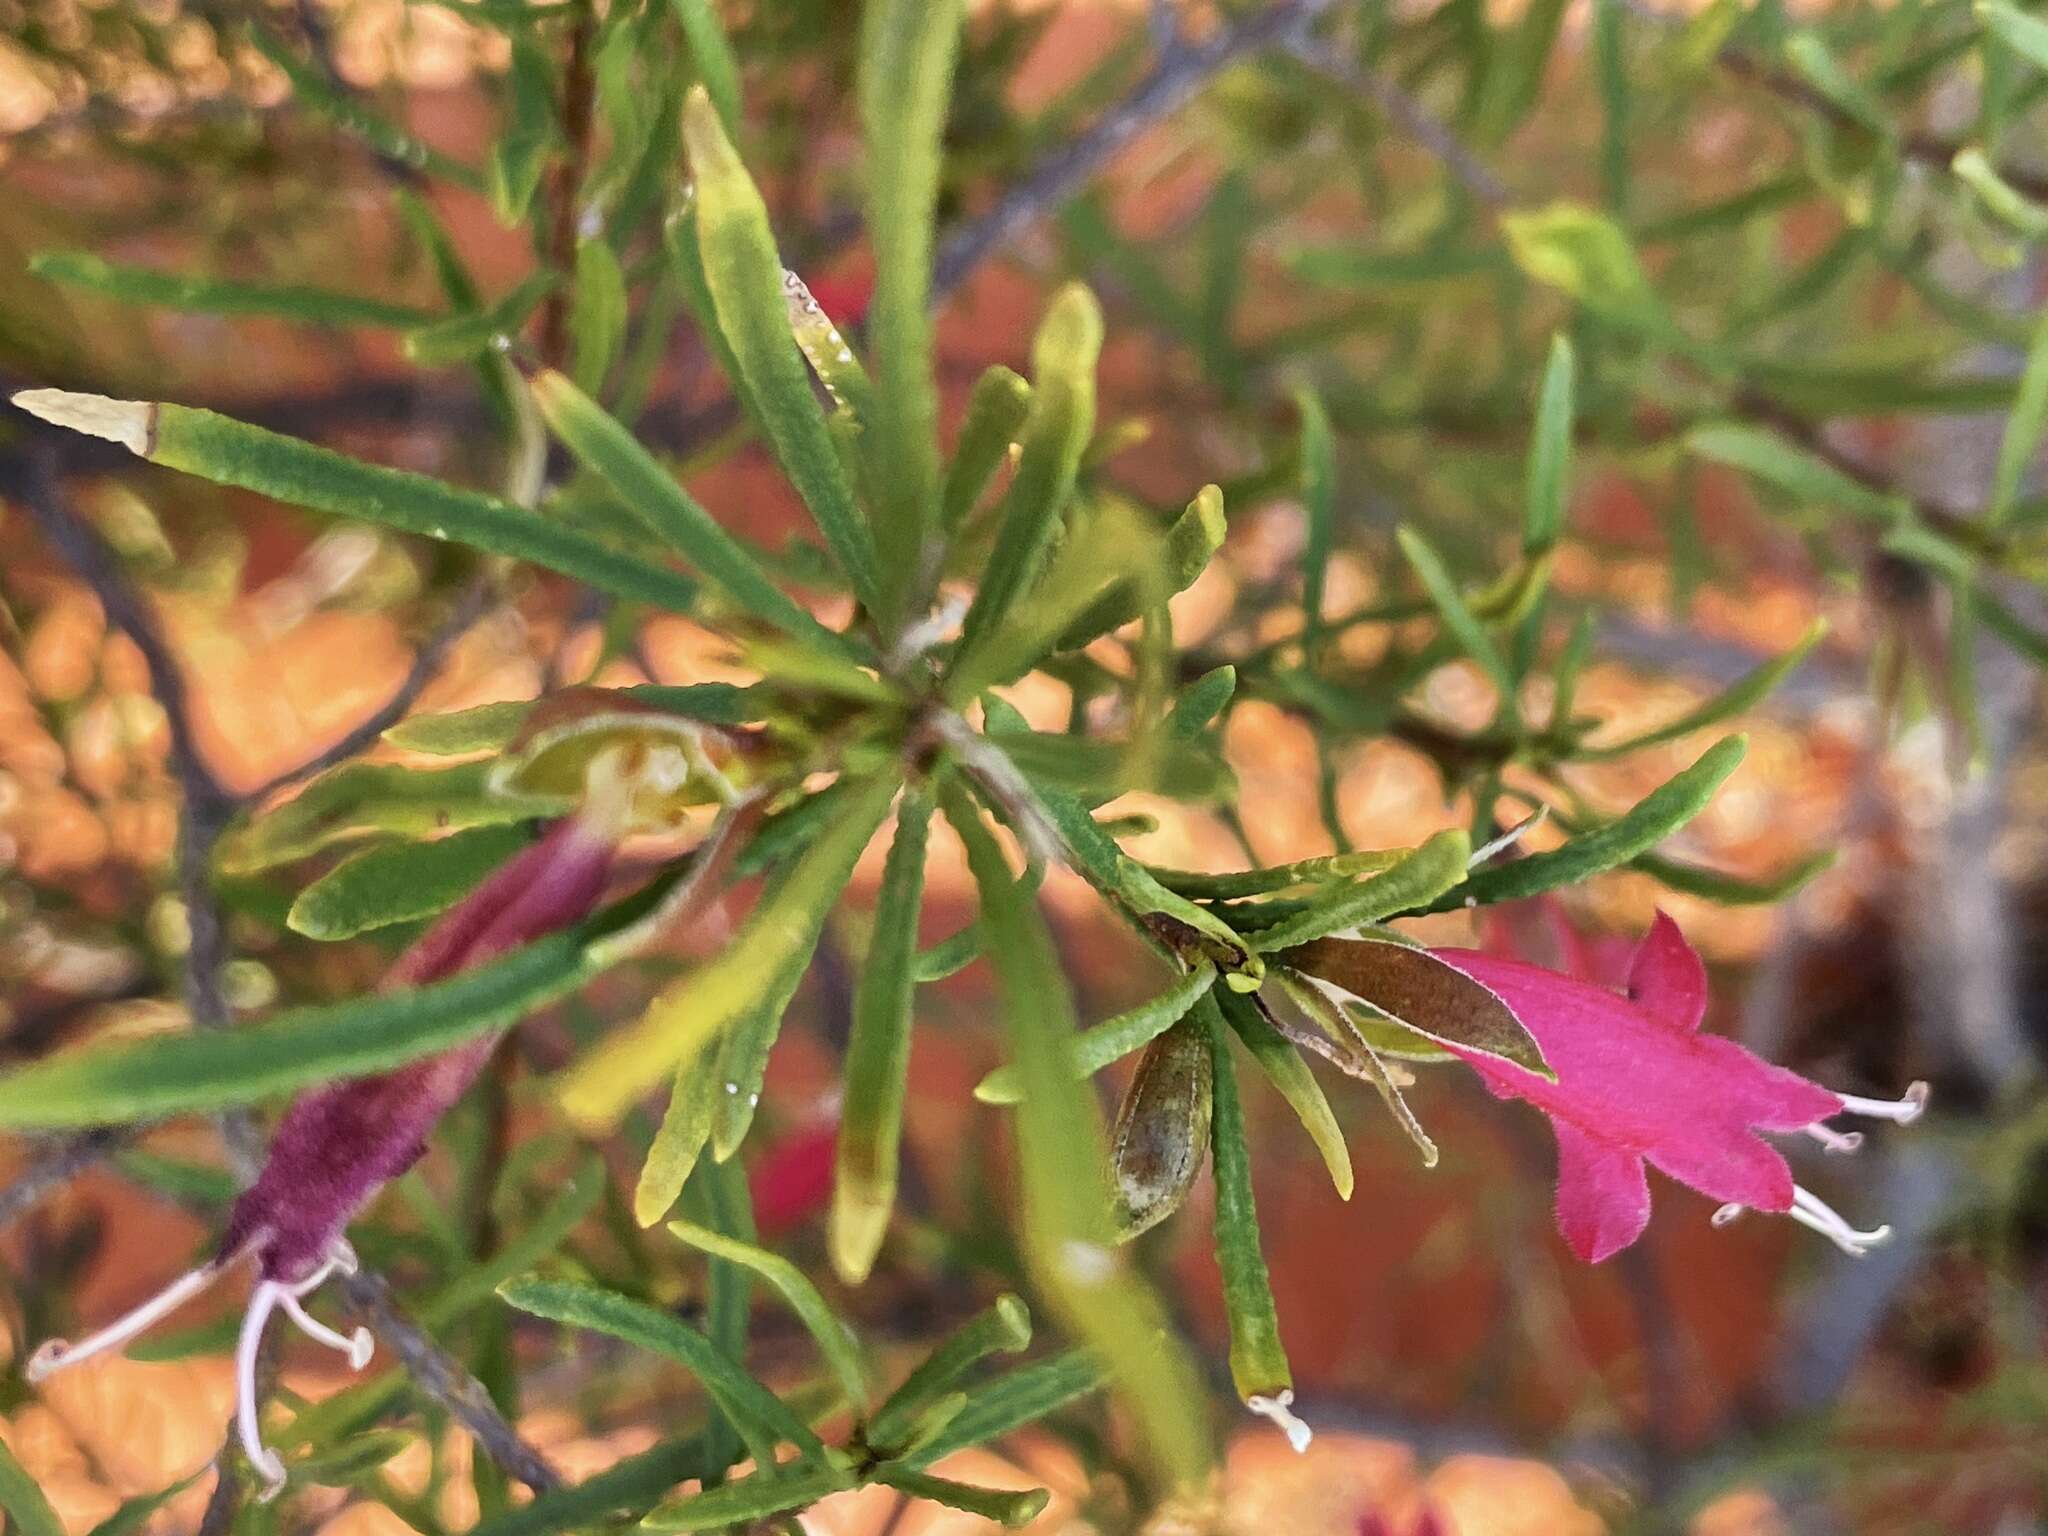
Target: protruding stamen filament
[[1809, 1210], [1835, 1141], [58, 1353], [358, 1346], [1901, 1111], [1280, 1409], [248, 1410], [1728, 1214]]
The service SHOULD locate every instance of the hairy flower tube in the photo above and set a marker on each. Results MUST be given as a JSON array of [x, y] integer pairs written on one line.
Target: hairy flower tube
[[340, 1144]]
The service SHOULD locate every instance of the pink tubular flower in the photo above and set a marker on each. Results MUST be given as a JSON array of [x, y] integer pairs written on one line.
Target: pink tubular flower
[[338, 1145], [1637, 1082]]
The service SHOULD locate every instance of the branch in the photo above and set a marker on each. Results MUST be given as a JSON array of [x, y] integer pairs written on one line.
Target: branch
[[1182, 69], [443, 1378], [61, 1159]]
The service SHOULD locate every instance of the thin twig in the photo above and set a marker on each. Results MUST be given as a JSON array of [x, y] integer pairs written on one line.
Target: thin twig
[[1182, 69], [442, 1377], [426, 663], [60, 1159]]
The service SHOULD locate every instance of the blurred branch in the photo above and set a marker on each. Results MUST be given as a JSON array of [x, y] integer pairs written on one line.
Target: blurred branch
[[442, 1377], [60, 1159], [1182, 69]]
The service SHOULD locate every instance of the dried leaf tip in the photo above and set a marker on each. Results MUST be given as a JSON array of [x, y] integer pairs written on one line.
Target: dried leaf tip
[[131, 423]]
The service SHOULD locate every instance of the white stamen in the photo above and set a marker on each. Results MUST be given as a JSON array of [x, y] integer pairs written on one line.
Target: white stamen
[[1280, 1409], [1809, 1210], [55, 1354], [1835, 1141], [248, 1422], [1728, 1214], [358, 1346], [1900, 1111]]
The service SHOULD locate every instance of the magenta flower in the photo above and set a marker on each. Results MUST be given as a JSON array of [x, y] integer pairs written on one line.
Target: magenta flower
[[1636, 1082], [337, 1146]]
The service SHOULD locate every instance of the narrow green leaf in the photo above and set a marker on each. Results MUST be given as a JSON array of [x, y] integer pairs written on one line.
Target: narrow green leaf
[[2023, 426], [906, 77], [747, 1501], [1005, 1328], [1258, 1360], [597, 317], [1712, 885], [1023, 1397], [598, 440], [744, 275], [630, 1485], [2000, 198], [684, 1133], [1587, 255], [1318, 491], [1114, 1038], [1743, 694], [1184, 552], [996, 413], [344, 110], [147, 1079], [1067, 1234], [220, 296], [1291, 1077], [1460, 623], [689, 1015], [878, 1054], [1814, 63], [607, 1312], [1279, 877], [1200, 703], [528, 135], [1792, 470], [1550, 453], [1418, 880], [1063, 357], [742, 1065], [1610, 66], [1655, 817], [134, 1514], [712, 55], [2025, 34], [23, 1500], [479, 333], [1004, 1506], [231, 452], [359, 799], [835, 1339], [400, 883]]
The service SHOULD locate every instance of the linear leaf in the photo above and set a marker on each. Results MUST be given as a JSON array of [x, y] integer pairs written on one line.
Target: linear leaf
[[1437, 866], [357, 800], [878, 1054], [835, 1340], [1460, 623], [1653, 818], [906, 75], [1290, 1075], [751, 1499], [1004, 1328], [220, 296], [1114, 1038], [1792, 470], [23, 1500], [689, 1015], [602, 1311], [1318, 489], [744, 275], [1258, 1360], [1063, 356], [1744, 693], [1006, 1507], [1023, 1397], [601, 443], [630, 1485], [230, 452], [1550, 452], [2023, 426], [1067, 1232], [712, 55], [400, 883], [996, 413]]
